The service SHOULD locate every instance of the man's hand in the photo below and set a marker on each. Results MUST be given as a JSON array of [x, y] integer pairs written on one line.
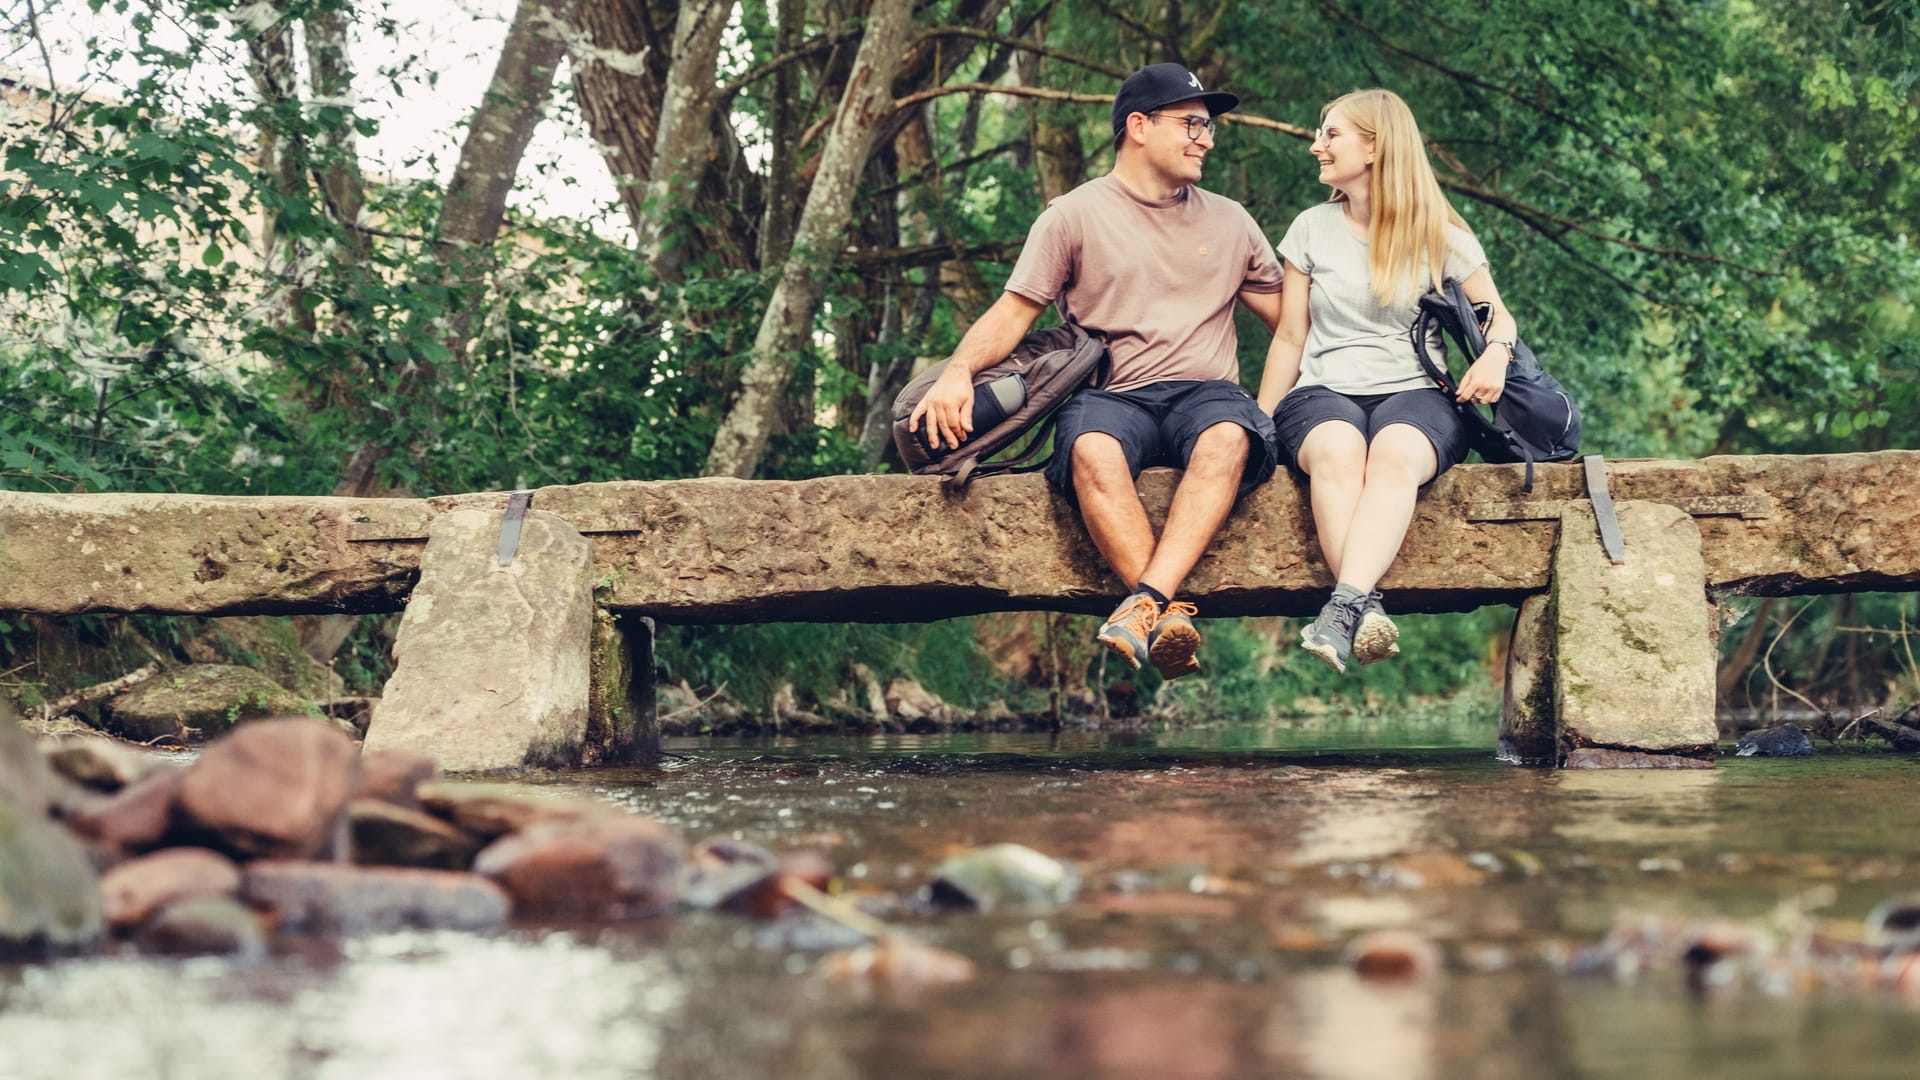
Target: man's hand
[[947, 409]]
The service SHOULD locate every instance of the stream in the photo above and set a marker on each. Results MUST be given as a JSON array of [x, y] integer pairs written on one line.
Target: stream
[[1223, 873]]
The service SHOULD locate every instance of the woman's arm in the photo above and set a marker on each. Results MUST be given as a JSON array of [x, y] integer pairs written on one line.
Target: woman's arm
[[1289, 339], [1487, 378]]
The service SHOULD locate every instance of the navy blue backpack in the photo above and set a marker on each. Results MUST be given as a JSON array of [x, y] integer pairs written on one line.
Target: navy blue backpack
[[1534, 420]]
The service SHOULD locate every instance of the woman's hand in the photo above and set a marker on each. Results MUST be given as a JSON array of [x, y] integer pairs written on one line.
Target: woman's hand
[[1486, 380]]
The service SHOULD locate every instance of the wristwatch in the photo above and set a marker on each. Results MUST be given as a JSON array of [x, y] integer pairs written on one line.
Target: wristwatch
[[1512, 344]]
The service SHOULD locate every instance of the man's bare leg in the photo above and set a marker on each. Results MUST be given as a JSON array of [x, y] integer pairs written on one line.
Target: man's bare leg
[[1200, 505], [1111, 510], [1110, 505]]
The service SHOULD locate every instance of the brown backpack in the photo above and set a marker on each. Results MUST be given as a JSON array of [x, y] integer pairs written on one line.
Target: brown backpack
[[1012, 399]]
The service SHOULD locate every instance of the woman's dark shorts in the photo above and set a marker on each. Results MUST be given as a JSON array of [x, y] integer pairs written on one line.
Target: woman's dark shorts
[[1307, 407], [1158, 425]]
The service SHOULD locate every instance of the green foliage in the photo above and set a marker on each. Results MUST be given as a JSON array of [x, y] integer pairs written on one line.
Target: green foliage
[[750, 662], [1843, 653], [1255, 669]]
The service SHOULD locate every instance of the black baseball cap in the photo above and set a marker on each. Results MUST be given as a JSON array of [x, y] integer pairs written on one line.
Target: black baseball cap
[[1163, 84]]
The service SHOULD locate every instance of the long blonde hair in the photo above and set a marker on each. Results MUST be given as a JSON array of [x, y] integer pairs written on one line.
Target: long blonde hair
[[1408, 246]]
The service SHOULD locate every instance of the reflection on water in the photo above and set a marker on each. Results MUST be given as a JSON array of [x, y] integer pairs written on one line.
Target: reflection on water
[[1607, 806], [1224, 872]]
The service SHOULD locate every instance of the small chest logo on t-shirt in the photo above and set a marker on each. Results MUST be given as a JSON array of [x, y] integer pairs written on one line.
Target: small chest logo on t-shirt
[[1203, 250]]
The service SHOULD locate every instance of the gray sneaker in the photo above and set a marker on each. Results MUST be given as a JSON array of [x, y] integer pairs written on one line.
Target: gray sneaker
[[1376, 638], [1330, 637]]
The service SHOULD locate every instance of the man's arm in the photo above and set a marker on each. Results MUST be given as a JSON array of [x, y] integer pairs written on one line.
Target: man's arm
[[1264, 305], [948, 406]]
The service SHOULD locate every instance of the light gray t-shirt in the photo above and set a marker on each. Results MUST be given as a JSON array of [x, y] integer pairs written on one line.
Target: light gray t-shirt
[[1356, 344], [1158, 277]]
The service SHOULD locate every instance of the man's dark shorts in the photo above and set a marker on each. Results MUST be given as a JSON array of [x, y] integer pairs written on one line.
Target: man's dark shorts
[[1158, 424], [1307, 407]]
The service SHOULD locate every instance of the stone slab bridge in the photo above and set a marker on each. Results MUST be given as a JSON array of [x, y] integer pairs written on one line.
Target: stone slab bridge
[[545, 658]]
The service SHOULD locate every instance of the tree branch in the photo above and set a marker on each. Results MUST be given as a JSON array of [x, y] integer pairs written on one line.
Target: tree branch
[[801, 52], [927, 254], [1041, 92], [1022, 43], [1335, 11]]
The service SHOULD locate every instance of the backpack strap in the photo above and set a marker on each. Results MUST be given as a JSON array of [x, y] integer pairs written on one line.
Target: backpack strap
[[1023, 462]]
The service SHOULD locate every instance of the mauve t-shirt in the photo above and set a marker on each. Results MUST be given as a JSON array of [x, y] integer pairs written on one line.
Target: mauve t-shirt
[[1158, 277]]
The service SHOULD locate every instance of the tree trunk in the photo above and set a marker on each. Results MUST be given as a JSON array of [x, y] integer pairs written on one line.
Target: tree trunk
[[335, 157], [270, 65], [776, 223], [784, 329], [503, 124], [1735, 669], [622, 56], [684, 146], [619, 67]]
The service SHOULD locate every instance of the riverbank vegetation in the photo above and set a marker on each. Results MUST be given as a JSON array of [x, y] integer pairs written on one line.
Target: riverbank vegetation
[[1702, 215]]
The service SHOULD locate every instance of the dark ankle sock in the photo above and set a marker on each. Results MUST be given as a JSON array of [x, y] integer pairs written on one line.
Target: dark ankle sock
[[1159, 598], [1344, 591]]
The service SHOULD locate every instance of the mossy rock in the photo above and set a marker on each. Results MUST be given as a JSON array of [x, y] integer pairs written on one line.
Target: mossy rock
[[199, 702], [49, 898], [269, 643]]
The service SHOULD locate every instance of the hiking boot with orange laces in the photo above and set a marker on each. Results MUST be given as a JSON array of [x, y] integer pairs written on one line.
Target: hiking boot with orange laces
[[1174, 640], [1127, 629]]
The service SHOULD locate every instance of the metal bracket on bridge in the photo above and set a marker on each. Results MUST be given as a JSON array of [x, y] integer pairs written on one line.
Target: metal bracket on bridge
[[517, 504], [1602, 499]]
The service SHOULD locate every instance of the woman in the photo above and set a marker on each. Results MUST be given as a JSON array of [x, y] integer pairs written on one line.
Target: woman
[[1351, 405]]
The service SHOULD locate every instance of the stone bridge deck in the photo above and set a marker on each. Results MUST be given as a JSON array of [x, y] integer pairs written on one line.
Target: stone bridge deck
[[899, 548], [1612, 663]]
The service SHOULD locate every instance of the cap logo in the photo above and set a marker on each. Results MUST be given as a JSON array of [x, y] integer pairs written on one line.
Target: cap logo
[[1193, 80]]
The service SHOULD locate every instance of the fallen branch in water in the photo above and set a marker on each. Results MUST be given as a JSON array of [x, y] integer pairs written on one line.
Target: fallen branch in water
[[688, 710], [834, 909], [97, 691], [1905, 739]]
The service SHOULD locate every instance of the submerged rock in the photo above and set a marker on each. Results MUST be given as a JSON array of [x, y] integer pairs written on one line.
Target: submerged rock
[[1783, 740], [735, 876], [603, 867], [330, 898], [133, 891], [1393, 954], [389, 835], [1895, 922], [209, 926], [1002, 875], [900, 963], [274, 788]]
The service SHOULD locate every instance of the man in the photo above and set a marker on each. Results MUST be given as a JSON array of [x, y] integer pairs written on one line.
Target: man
[[1154, 263]]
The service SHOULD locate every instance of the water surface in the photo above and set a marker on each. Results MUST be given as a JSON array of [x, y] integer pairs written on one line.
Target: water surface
[[1223, 874]]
